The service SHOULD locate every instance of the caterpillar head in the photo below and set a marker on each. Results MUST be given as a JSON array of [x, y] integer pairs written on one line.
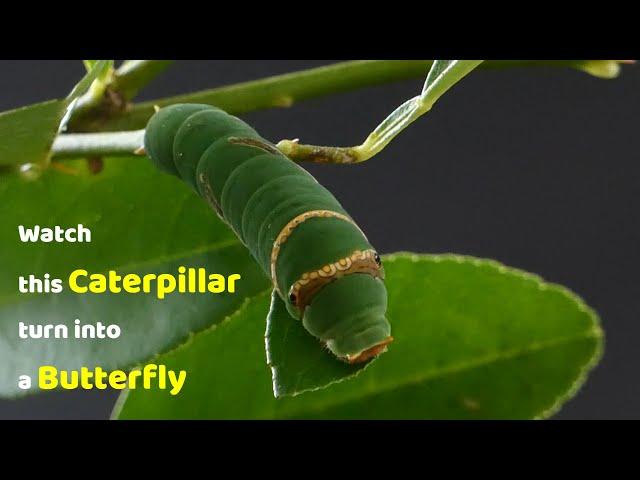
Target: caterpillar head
[[348, 315]]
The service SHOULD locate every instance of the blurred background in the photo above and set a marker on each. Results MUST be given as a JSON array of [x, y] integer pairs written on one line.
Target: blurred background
[[538, 168]]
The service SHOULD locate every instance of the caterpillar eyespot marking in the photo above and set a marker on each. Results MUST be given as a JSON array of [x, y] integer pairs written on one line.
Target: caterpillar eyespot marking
[[320, 262]]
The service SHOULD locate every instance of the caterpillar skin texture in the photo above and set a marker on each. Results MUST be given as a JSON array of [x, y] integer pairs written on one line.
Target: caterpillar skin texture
[[320, 262]]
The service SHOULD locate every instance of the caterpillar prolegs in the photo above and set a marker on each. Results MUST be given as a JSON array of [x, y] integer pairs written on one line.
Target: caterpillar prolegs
[[320, 262]]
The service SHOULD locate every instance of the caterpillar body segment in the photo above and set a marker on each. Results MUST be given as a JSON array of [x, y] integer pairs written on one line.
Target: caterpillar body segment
[[320, 262]]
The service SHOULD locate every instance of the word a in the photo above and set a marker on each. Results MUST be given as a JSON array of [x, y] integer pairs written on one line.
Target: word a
[[151, 376], [59, 331], [57, 234]]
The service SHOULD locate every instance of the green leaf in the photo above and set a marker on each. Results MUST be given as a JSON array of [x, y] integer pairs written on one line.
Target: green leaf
[[601, 68], [473, 339], [88, 64], [443, 75], [99, 70], [27, 133], [298, 362], [141, 221]]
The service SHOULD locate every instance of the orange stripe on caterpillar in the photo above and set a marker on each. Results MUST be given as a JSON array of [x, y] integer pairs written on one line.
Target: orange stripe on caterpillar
[[303, 291]]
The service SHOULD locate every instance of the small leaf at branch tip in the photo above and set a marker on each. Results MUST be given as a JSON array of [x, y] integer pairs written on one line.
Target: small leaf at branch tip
[[606, 69], [285, 146]]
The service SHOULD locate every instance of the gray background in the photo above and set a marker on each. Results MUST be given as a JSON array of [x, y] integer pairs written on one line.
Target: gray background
[[538, 168]]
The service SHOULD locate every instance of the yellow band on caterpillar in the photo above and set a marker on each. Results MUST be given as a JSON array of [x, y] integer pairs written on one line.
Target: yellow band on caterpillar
[[290, 227]]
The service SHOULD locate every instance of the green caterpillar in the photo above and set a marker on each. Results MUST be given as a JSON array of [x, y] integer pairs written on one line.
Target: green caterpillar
[[320, 262]]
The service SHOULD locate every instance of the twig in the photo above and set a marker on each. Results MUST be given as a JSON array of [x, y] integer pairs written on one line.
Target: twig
[[285, 90], [98, 144]]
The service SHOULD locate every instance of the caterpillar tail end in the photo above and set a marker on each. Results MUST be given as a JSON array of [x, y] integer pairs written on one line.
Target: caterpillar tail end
[[369, 353]]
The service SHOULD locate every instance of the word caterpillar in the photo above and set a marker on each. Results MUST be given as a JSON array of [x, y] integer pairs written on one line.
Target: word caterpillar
[[321, 264]]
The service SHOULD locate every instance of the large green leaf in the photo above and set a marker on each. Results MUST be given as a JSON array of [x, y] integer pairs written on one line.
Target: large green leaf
[[27, 133], [474, 339], [141, 221]]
